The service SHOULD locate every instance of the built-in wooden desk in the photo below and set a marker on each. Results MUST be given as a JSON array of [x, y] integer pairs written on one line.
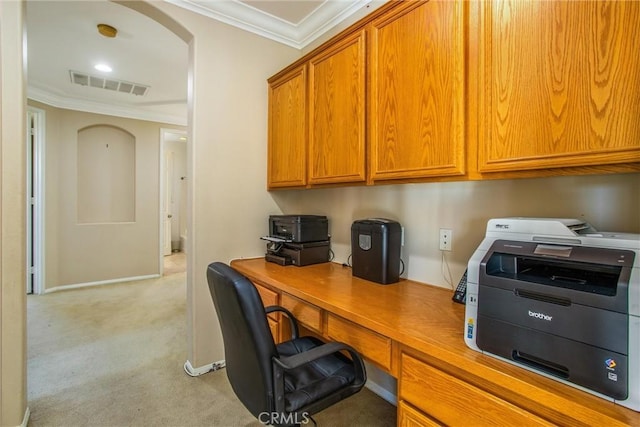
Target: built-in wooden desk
[[415, 332]]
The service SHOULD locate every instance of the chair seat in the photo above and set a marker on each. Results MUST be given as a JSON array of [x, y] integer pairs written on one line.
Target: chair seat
[[316, 379]]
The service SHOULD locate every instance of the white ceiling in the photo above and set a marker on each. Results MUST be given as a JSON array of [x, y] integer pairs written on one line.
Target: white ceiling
[[62, 36]]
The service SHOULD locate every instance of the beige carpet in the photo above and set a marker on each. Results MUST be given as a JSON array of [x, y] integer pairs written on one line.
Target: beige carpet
[[114, 355]]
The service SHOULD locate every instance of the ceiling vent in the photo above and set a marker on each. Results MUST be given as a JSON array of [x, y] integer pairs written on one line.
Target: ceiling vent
[[84, 79]]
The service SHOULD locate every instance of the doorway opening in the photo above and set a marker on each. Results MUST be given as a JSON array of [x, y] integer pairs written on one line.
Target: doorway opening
[[173, 200], [35, 199]]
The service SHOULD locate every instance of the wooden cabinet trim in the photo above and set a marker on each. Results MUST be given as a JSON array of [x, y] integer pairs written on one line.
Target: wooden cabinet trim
[[288, 157], [408, 416], [357, 26], [340, 151], [572, 108], [382, 161], [473, 159], [268, 298]]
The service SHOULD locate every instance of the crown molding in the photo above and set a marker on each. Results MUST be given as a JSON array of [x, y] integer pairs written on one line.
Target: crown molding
[[127, 112], [248, 18]]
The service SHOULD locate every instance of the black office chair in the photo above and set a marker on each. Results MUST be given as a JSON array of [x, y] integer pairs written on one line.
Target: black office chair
[[280, 384]]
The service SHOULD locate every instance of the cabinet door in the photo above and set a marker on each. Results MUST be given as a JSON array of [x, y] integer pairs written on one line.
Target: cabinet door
[[286, 157], [561, 84], [337, 112], [417, 91]]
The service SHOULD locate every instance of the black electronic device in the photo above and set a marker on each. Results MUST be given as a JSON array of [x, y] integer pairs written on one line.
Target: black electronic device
[[298, 240], [460, 294], [299, 228], [375, 250]]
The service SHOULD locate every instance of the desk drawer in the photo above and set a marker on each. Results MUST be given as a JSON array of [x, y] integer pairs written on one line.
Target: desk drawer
[[268, 298], [307, 314], [410, 417], [452, 401], [371, 345], [274, 326]]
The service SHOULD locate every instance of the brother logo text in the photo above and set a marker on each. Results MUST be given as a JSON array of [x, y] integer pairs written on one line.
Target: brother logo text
[[540, 316]]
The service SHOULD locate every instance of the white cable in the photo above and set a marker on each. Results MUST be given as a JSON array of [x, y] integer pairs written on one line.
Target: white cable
[[444, 263]]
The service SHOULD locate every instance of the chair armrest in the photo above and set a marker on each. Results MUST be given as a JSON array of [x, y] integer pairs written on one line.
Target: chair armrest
[[293, 322]]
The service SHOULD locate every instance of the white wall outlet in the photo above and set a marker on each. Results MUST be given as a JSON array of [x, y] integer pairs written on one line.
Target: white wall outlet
[[446, 237], [402, 236]]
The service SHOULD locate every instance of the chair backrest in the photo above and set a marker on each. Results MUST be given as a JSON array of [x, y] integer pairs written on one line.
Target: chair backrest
[[248, 343]]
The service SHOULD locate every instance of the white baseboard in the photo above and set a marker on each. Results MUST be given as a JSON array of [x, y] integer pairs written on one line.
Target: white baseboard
[[101, 282], [195, 372], [387, 395], [25, 420]]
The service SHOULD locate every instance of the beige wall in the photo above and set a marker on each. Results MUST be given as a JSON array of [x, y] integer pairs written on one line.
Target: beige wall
[[105, 175], [13, 351], [608, 202], [77, 252], [229, 204]]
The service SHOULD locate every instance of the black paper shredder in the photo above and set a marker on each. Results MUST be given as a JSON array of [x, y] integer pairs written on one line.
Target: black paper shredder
[[375, 250]]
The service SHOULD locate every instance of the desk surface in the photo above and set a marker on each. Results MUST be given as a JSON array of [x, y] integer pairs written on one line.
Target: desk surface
[[424, 319]]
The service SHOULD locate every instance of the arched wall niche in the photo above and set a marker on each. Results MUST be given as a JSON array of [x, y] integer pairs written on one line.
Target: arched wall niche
[[106, 175]]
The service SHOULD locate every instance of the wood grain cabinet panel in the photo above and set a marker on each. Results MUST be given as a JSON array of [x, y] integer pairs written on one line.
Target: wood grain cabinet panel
[[370, 344], [307, 314], [411, 417], [561, 84], [268, 298], [337, 112], [455, 402], [287, 144], [274, 327], [416, 102]]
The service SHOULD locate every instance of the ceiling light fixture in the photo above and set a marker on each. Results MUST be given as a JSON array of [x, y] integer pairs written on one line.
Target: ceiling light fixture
[[103, 67], [107, 30]]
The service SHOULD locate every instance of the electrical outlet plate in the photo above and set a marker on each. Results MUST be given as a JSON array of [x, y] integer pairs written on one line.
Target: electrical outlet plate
[[446, 236]]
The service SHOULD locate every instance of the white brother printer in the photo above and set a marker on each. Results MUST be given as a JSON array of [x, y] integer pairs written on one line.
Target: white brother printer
[[559, 298]]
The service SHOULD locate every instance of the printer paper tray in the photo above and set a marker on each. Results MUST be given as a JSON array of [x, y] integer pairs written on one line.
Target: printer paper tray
[[591, 367]]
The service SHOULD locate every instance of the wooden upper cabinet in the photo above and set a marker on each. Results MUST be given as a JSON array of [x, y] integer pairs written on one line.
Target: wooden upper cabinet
[[287, 146], [416, 103], [561, 84], [337, 112]]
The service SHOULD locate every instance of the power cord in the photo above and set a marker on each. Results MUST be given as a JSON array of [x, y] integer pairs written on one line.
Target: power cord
[[348, 263], [444, 264]]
